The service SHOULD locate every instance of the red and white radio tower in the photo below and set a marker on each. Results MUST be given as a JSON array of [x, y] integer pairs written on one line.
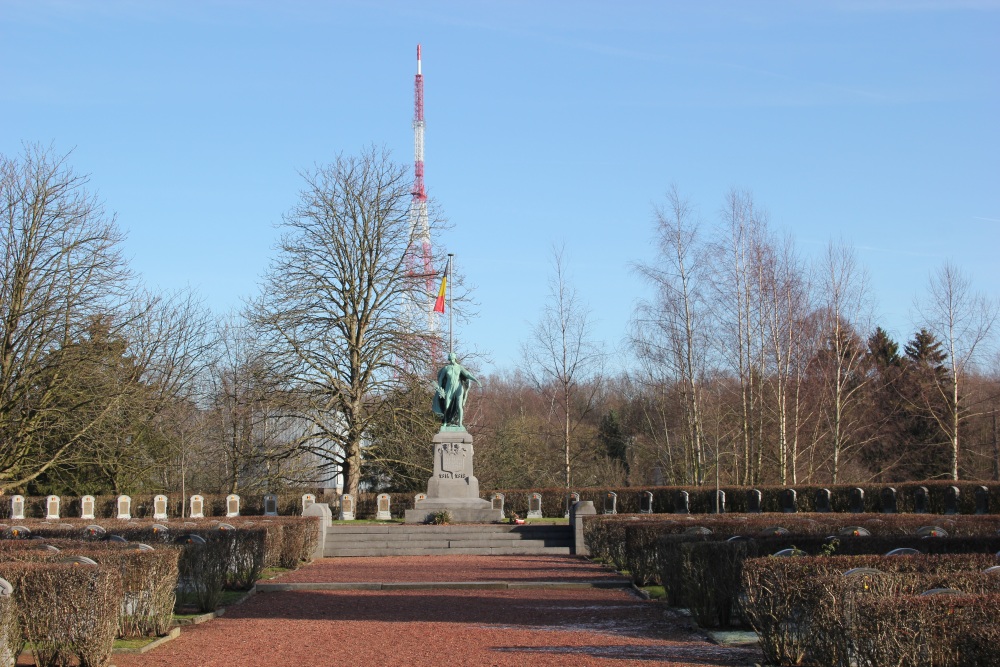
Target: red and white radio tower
[[420, 267]]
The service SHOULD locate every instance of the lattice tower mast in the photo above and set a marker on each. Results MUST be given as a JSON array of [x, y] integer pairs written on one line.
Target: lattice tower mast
[[420, 263]]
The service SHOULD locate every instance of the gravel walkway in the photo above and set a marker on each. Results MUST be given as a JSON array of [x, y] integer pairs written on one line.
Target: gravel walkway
[[536, 627]]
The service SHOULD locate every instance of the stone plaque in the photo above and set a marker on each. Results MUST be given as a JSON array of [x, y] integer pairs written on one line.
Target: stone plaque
[[124, 504], [754, 501], [87, 507], [646, 502], [823, 503], [232, 505], [719, 502], [52, 507], [197, 507], [789, 501], [17, 508], [347, 507], [535, 506], [888, 500], [982, 500], [682, 503], [383, 513], [270, 505], [611, 503], [952, 496], [307, 500], [921, 500], [160, 508], [858, 500], [497, 503]]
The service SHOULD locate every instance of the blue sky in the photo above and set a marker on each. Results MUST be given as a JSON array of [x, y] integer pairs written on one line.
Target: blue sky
[[559, 122]]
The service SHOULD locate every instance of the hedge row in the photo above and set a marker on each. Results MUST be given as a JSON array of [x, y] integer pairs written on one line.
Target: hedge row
[[806, 610]]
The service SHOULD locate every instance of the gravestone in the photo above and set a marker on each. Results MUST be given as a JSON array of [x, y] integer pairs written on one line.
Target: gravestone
[[139, 546], [52, 508], [535, 506], [719, 501], [94, 531], [904, 551], [47, 547], [190, 539], [854, 531], [6, 590], [982, 500], [17, 508], [646, 502], [572, 499], [347, 507], [77, 560], [888, 500], [857, 500], [754, 499], [823, 502], [87, 507], [124, 504], [160, 507], [307, 500], [197, 507], [682, 503], [270, 505], [789, 501], [160, 530], [383, 513], [223, 527], [952, 496], [611, 503], [117, 539], [773, 531], [453, 487], [7, 655], [931, 531], [497, 501], [232, 505], [921, 500], [790, 553], [861, 571], [697, 530], [419, 497], [17, 533]]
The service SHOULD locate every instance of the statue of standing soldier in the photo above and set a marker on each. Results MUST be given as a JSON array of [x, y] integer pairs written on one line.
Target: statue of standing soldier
[[452, 391]]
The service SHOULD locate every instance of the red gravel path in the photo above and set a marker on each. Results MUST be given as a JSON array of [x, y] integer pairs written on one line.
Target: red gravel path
[[536, 627], [449, 568]]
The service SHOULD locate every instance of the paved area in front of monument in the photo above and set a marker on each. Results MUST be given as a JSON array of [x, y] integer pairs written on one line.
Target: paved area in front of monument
[[555, 611]]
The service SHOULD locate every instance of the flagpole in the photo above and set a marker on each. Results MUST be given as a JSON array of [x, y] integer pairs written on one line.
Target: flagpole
[[451, 311]]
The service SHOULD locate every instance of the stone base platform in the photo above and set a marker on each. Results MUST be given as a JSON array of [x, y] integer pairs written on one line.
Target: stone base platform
[[462, 510]]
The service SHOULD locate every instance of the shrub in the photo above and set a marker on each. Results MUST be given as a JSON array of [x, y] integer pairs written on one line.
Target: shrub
[[66, 611]]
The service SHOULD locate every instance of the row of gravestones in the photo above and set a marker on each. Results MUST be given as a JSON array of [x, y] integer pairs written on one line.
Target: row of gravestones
[[788, 501], [124, 506], [383, 502]]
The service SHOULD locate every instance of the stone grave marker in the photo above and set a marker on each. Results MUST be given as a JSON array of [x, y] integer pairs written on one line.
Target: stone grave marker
[[790, 553], [47, 547], [383, 513], [862, 571], [232, 505], [535, 506], [160, 530], [117, 539], [789, 501], [52, 508], [496, 502], [572, 499], [160, 507], [7, 656], [982, 500], [17, 508], [347, 507], [307, 500], [697, 530], [931, 531], [942, 591], [773, 531], [904, 551], [139, 546], [646, 502], [888, 500], [719, 501], [270, 505], [17, 533], [823, 501], [77, 560], [190, 539], [419, 497], [94, 530], [682, 503], [921, 500], [857, 500], [223, 527], [124, 504], [952, 496], [197, 507], [611, 503], [854, 531], [6, 590], [87, 507], [754, 500]]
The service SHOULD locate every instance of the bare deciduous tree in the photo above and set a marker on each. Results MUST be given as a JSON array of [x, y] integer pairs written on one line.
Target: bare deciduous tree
[[334, 312], [61, 267]]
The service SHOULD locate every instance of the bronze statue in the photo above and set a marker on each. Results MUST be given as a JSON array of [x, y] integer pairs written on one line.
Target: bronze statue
[[452, 392]]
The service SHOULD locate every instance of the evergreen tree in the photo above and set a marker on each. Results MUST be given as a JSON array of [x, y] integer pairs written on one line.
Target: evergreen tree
[[614, 441]]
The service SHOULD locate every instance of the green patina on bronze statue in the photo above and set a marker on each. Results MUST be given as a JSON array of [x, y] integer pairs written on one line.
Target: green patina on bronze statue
[[450, 395]]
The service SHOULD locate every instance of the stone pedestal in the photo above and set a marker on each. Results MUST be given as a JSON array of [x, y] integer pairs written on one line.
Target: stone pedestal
[[453, 487]]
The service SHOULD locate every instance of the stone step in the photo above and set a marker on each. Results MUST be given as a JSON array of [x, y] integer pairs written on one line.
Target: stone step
[[366, 552], [447, 544], [425, 537]]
